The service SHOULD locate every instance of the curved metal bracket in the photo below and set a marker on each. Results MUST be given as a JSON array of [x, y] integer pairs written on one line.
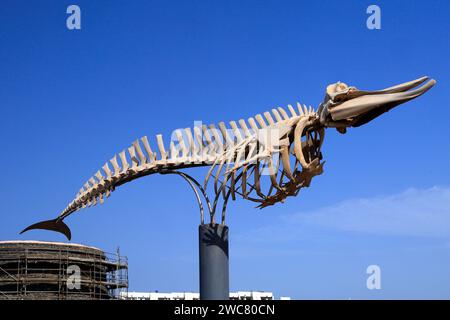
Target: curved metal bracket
[[225, 198], [193, 184], [198, 189]]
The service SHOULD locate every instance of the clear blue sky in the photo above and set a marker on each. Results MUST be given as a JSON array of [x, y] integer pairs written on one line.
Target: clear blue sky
[[71, 99]]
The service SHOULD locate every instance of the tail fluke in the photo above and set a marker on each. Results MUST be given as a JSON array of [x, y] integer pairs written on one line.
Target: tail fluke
[[53, 225]]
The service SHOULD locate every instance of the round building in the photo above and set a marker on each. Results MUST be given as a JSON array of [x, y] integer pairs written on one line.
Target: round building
[[60, 271]]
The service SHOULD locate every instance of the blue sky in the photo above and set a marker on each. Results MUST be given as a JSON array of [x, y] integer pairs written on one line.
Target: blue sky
[[71, 99]]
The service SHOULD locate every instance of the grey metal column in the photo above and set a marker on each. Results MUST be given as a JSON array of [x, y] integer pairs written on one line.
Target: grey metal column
[[213, 250]]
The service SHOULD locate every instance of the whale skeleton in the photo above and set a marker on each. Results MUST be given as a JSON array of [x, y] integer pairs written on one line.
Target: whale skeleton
[[283, 145]]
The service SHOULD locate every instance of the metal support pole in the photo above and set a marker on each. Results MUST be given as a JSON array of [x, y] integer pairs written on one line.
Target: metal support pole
[[213, 244], [214, 271]]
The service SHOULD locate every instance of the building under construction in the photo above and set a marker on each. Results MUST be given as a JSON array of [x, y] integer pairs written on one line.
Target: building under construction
[[60, 271]]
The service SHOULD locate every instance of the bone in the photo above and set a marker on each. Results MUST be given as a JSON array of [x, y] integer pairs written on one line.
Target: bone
[[123, 159], [191, 144], [184, 149], [245, 128], [216, 178], [256, 181], [134, 159], [198, 136], [283, 113], [305, 109], [228, 143], [210, 146], [233, 186], [209, 174], [269, 118], [253, 125], [115, 165], [140, 154], [236, 131], [229, 158], [273, 174], [252, 152], [148, 149], [93, 182], [199, 141], [239, 158], [298, 142], [260, 121], [107, 171], [173, 151], [99, 176], [161, 149], [300, 109], [277, 115], [244, 182], [217, 140], [292, 110], [286, 162]]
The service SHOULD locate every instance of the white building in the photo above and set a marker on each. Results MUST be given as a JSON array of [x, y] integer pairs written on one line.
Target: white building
[[240, 295], [251, 295], [160, 296]]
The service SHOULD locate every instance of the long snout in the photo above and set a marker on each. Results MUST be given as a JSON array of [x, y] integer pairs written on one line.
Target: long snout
[[364, 106]]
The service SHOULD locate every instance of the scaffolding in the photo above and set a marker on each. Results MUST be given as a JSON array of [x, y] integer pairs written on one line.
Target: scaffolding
[[60, 271]]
